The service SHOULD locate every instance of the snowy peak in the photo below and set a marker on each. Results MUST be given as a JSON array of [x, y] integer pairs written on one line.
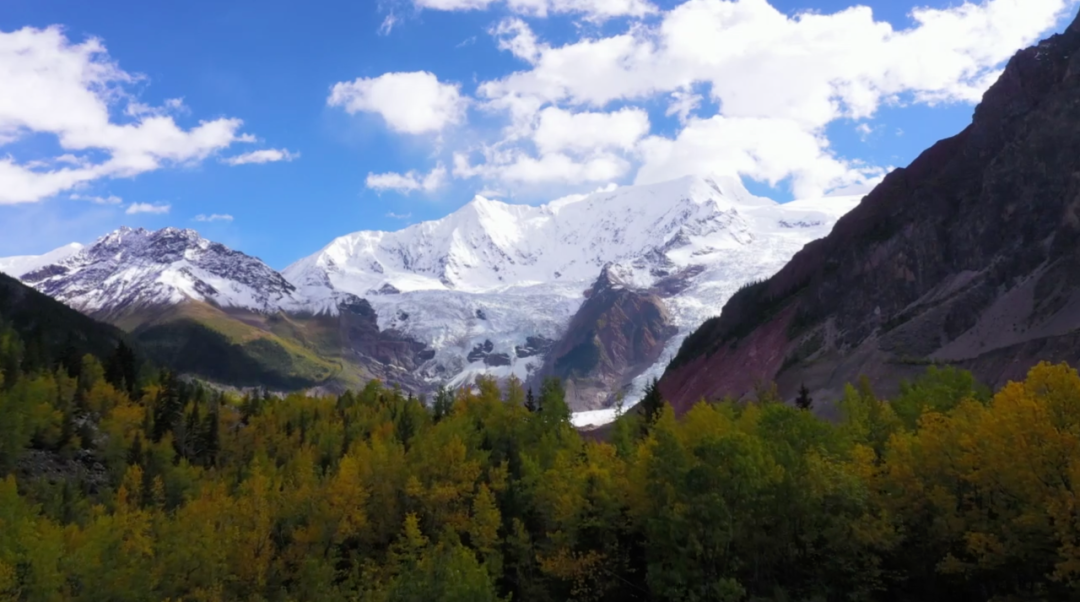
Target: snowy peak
[[486, 290], [24, 264], [488, 245], [133, 268]]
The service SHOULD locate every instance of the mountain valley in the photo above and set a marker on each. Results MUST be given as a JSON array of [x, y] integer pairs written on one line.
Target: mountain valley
[[598, 289]]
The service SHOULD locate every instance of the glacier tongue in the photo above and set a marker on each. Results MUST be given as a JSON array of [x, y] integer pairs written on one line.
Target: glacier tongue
[[493, 274], [490, 288]]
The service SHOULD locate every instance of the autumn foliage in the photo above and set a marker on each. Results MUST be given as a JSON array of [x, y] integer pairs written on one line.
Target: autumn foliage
[[167, 491]]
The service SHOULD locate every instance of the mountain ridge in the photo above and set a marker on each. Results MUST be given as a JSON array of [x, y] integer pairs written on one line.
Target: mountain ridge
[[968, 256], [489, 289]]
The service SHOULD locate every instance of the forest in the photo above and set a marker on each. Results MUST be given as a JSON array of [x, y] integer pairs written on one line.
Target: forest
[[120, 482]]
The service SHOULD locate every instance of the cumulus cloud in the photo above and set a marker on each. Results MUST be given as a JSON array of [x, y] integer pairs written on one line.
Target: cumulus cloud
[[522, 168], [811, 67], [778, 81], [214, 217], [592, 9], [682, 104], [136, 208], [411, 103], [68, 90], [765, 149], [268, 155], [408, 182], [560, 130]]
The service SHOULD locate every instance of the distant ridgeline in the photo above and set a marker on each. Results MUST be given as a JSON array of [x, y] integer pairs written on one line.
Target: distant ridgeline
[[147, 488]]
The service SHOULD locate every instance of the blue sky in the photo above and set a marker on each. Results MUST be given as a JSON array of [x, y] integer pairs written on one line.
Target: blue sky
[[438, 100]]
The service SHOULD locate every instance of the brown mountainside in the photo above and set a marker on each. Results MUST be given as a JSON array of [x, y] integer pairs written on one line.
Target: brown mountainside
[[969, 256], [616, 334]]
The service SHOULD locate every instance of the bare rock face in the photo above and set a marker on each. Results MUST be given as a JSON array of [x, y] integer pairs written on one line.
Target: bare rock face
[[969, 256], [387, 354], [616, 334]]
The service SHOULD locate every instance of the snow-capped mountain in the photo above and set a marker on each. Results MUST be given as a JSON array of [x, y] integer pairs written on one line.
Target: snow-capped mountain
[[488, 245], [489, 289], [479, 284], [136, 268], [24, 264]]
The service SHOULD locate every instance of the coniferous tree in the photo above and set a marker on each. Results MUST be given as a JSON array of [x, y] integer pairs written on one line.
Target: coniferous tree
[[804, 401], [444, 403], [135, 452], [168, 407], [651, 405], [530, 401], [121, 370], [553, 400], [192, 444], [345, 401], [211, 435]]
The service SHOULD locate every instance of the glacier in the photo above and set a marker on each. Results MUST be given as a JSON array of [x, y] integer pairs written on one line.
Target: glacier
[[498, 272], [477, 285]]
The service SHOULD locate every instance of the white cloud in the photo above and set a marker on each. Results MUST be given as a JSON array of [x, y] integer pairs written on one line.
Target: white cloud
[[778, 81], [54, 87], [393, 215], [98, 200], [387, 24], [767, 150], [136, 208], [521, 168], [268, 155], [412, 103], [592, 9], [561, 130], [408, 182], [517, 38], [682, 104], [214, 217], [812, 68]]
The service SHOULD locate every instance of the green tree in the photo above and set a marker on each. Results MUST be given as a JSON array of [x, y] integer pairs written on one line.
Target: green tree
[[804, 401], [652, 404]]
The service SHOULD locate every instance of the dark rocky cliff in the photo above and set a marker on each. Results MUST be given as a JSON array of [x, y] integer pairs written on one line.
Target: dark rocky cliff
[[969, 256], [617, 333]]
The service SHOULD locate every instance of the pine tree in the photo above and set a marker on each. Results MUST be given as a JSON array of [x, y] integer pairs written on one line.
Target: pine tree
[[135, 452], [211, 436], [121, 371], [651, 404], [168, 407], [444, 403], [530, 401], [192, 444], [804, 401], [345, 401], [553, 401]]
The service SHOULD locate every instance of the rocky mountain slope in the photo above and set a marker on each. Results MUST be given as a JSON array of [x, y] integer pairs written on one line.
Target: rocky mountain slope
[[128, 269], [501, 289], [203, 308], [969, 256], [599, 289]]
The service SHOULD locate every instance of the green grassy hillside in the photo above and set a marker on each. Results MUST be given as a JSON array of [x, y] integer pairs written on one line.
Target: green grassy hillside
[[242, 348]]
